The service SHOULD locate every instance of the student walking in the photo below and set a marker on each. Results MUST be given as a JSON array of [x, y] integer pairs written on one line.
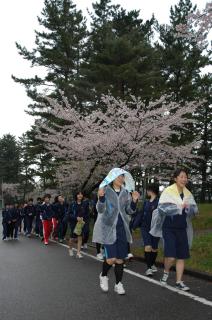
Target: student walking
[[38, 221], [29, 213], [15, 218], [77, 216], [60, 210], [47, 214], [150, 242], [175, 209], [5, 221], [112, 226]]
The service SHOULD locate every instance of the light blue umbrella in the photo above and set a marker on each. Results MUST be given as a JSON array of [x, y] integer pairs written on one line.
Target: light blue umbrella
[[116, 172]]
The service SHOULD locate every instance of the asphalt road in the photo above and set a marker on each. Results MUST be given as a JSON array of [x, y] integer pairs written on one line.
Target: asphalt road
[[44, 283]]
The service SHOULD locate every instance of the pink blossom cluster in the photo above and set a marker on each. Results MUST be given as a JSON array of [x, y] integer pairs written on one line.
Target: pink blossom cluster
[[123, 133], [198, 26]]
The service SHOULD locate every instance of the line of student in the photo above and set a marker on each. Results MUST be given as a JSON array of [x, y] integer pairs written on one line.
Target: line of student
[[46, 219], [166, 217]]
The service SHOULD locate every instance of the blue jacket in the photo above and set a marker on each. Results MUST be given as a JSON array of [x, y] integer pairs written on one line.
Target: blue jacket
[[148, 208], [15, 214], [78, 210], [60, 210], [47, 212], [6, 215], [30, 211], [38, 210]]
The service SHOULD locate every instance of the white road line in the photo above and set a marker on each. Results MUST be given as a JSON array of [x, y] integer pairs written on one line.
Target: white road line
[[138, 275]]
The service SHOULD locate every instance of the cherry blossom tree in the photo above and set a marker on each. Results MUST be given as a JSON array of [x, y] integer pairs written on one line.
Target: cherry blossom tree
[[198, 26], [125, 134]]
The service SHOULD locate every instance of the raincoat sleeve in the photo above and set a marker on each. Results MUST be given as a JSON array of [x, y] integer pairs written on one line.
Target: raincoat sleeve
[[101, 205], [168, 209], [130, 206], [192, 209]]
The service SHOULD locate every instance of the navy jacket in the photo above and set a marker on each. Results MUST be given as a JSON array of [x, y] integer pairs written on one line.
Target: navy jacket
[[6, 215], [148, 208], [15, 214], [60, 210], [30, 211], [78, 210], [47, 212], [38, 210]]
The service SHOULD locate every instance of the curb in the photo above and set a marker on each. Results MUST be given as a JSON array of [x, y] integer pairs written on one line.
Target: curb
[[196, 274]]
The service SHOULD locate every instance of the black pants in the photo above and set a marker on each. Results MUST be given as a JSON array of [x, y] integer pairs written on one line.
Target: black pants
[[29, 221]]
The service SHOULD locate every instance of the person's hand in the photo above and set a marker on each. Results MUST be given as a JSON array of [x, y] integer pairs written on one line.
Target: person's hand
[[185, 205], [79, 219], [135, 196], [101, 193]]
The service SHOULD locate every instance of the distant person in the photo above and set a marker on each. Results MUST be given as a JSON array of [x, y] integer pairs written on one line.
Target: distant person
[[29, 213], [77, 216], [47, 214]]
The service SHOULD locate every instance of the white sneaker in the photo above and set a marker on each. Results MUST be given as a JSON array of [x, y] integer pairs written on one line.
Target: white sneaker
[[149, 273], [100, 256], [79, 255], [182, 286], [104, 283], [71, 252], [130, 256], [164, 279], [119, 288], [154, 268]]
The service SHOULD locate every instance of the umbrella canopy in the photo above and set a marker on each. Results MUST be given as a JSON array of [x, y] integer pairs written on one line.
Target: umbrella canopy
[[116, 172]]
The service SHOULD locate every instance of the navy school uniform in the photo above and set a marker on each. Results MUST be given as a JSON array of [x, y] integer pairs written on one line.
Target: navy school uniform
[[22, 219], [38, 222], [5, 220], [175, 236], [119, 249], [60, 211], [47, 213], [78, 210], [148, 239], [15, 219], [30, 213]]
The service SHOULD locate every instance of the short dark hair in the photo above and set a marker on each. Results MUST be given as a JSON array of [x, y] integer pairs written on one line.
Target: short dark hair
[[30, 200], [47, 196], [154, 188], [178, 171], [39, 199]]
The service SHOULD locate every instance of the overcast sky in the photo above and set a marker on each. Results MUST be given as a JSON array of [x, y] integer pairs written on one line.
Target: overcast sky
[[18, 20]]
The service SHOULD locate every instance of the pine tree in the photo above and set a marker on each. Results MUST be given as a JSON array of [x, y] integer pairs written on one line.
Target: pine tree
[[203, 118], [122, 59], [9, 159], [59, 49]]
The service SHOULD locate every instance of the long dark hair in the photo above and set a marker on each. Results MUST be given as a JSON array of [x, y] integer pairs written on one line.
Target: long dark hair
[[75, 194]]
